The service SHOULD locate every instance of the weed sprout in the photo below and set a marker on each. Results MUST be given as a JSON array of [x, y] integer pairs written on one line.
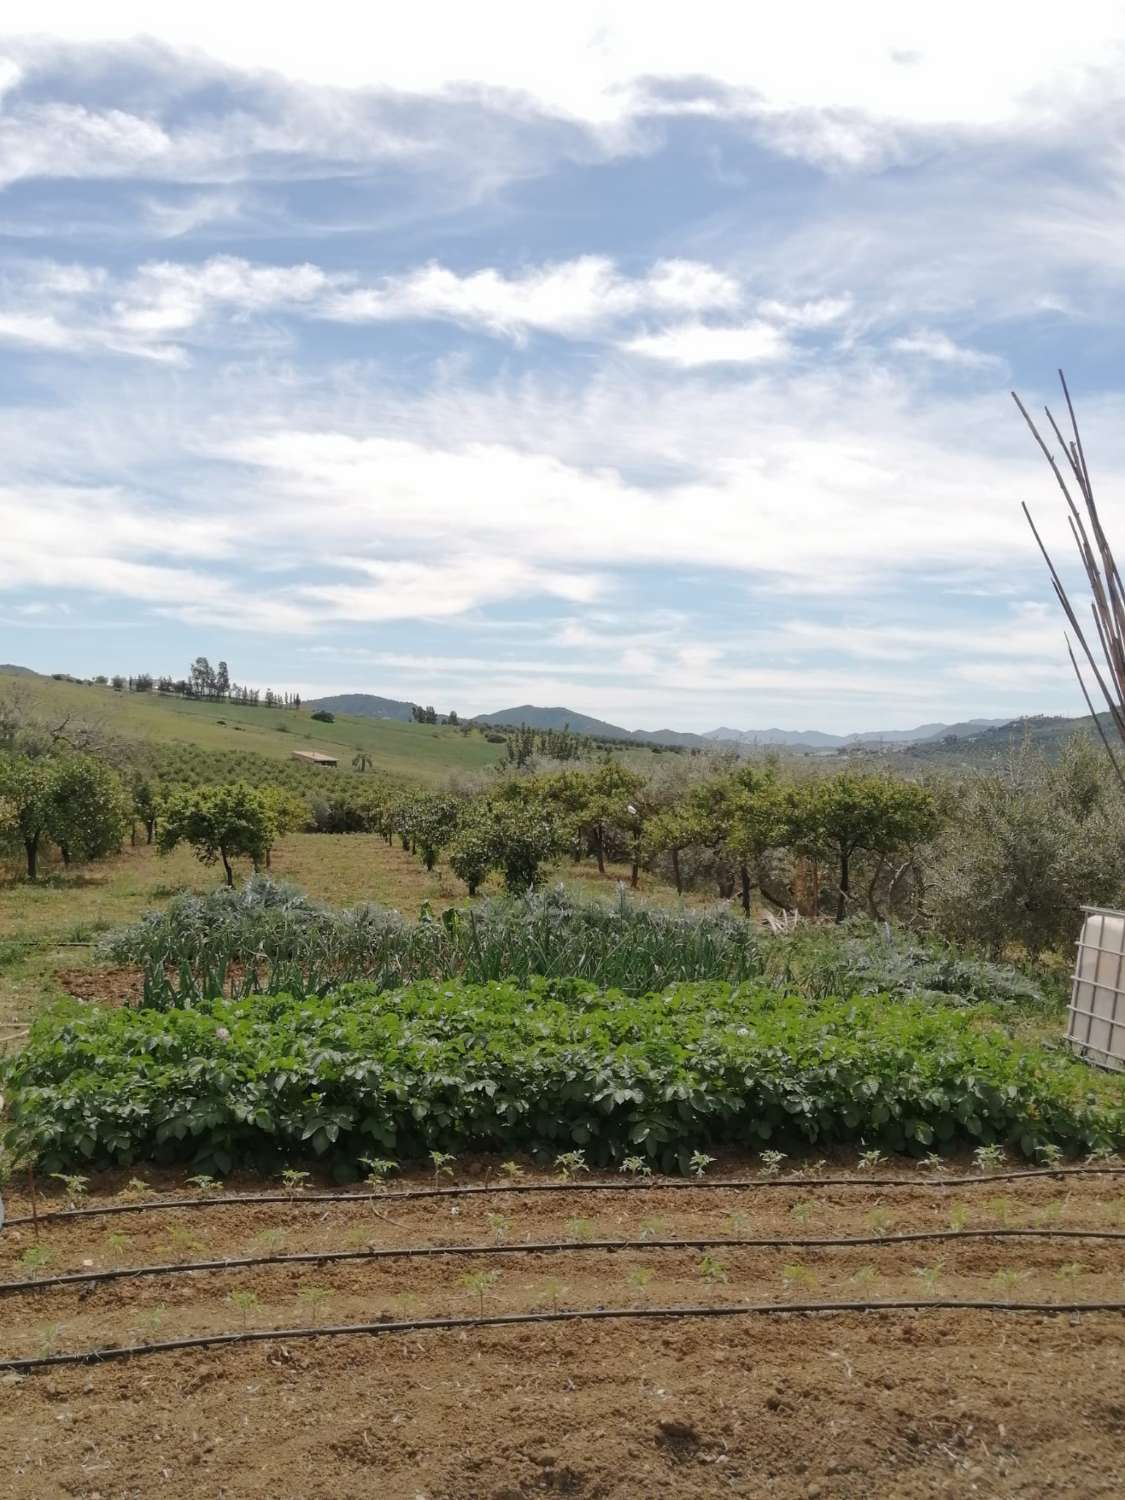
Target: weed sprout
[[245, 1301], [640, 1276], [796, 1275], [293, 1179], [988, 1158], [205, 1184], [930, 1276], [570, 1163], [935, 1162], [379, 1168], [76, 1187], [500, 1224], [699, 1161], [771, 1162], [1009, 1278], [35, 1257], [580, 1229], [511, 1170], [443, 1165], [116, 1242], [480, 1283], [636, 1166], [554, 1289], [313, 1297], [711, 1268], [869, 1160]]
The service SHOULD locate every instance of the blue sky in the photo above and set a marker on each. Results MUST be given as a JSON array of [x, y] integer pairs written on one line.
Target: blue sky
[[650, 360]]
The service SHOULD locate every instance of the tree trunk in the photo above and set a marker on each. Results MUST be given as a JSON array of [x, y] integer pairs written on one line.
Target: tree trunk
[[874, 881], [31, 847], [150, 830], [269, 854], [676, 872], [133, 834], [226, 867], [845, 888], [64, 850], [744, 883], [633, 878], [599, 848]]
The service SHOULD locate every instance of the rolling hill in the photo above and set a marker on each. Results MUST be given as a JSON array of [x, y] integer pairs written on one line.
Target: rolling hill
[[403, 751], [365, 706]]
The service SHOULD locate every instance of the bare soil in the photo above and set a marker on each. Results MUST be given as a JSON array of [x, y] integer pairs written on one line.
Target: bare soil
[[928, 1403]]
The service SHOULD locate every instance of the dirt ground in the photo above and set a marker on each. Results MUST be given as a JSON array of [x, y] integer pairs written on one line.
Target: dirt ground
[[855, 1405]]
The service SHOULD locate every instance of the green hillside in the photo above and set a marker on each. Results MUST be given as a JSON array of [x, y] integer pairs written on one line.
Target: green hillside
[[406, 752]]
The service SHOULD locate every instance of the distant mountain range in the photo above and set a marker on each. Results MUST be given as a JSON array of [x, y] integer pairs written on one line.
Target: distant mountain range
[[797, 739], [815, 739]]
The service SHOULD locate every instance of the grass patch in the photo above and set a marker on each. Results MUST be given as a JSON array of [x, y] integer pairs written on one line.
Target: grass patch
[[550, 1067]]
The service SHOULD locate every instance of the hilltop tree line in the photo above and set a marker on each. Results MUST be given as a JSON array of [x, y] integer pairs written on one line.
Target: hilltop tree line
[[203, 681]]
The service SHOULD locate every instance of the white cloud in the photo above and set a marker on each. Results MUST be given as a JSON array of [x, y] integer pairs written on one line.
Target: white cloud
[[572, 298], [690, 345], [967, 62], [79, 308]]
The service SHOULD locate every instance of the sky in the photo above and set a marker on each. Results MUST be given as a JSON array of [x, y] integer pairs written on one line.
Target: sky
[[648, 359]]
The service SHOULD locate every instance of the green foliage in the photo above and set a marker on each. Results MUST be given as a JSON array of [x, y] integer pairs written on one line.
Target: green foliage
[[525, 837], [267, 936], [322, 716], [220, 822], [1032, 844], [554, 1067], [847, 814], [89, 808], [77, 801], [25, 803], [865, 958]]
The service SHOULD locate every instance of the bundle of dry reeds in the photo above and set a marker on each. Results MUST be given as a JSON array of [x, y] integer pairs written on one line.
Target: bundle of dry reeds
[[1107, 603]]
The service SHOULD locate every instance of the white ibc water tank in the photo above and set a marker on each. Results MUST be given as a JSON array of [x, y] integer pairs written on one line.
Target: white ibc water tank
[[1096, 1022]]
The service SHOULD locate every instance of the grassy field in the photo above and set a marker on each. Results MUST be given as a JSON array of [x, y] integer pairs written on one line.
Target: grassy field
[[408, 752]]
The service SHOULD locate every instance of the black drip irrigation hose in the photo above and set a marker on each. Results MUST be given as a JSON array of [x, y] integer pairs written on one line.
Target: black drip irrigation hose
[[548, 1247], [693, 1184], [511, 1320]]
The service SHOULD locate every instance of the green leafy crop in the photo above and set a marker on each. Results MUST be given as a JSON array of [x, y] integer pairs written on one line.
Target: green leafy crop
[[552, 1067]]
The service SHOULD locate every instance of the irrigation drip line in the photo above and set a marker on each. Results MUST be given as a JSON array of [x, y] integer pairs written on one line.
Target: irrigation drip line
[[694, 1184], [542, 1247], [511, 1320]]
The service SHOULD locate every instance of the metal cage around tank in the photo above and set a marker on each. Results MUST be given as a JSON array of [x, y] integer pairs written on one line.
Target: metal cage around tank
[[1096, 1019]]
